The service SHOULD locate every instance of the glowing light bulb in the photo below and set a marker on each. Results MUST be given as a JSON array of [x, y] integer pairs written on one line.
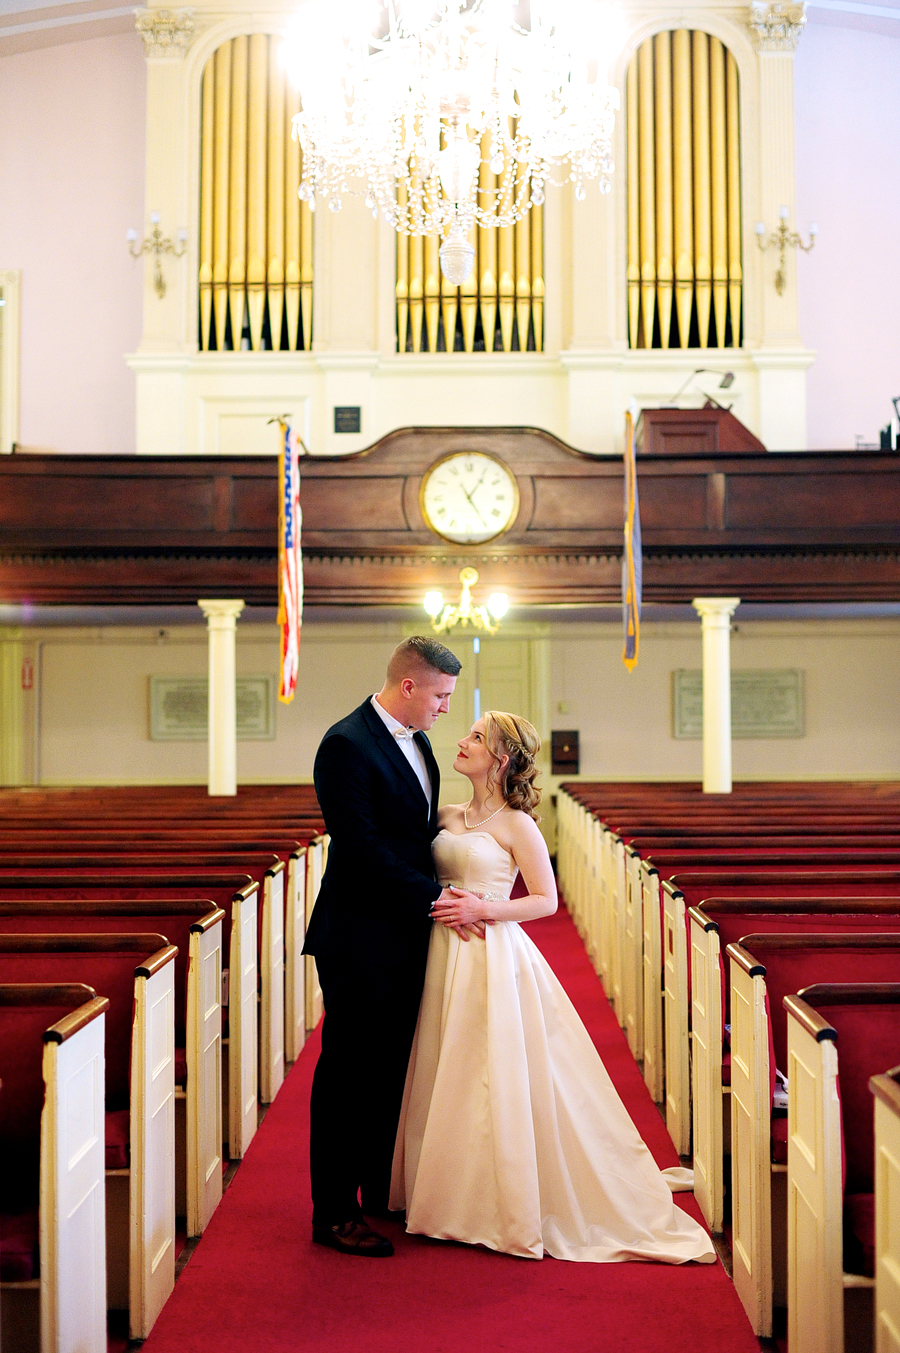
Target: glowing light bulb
[[434, 603]]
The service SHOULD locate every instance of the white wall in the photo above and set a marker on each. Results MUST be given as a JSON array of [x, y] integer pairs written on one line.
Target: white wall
[[848, 180], [71, 184], [94, 720]]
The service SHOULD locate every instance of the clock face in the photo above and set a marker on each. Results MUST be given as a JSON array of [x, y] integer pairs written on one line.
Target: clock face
[[469, 498]]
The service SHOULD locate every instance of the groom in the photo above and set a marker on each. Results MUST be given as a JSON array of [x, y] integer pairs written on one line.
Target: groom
[[377, 783]]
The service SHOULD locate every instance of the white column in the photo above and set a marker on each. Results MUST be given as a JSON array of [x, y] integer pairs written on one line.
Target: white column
[[221, 620], [715, 614]]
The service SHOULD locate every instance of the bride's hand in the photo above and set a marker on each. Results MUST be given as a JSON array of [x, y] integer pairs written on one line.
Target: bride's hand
[[462, 911]]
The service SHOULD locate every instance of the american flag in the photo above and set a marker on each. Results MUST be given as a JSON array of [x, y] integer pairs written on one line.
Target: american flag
[[290, 562], [632, 559]]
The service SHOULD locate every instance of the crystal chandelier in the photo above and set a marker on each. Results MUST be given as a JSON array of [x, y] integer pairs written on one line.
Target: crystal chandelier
[[452, 114]]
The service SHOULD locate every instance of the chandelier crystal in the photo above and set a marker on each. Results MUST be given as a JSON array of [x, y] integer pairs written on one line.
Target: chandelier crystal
[[452, 114]]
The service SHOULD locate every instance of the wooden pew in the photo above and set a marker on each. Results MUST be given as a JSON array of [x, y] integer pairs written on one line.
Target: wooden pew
[[51, 1125], [886, 1089], [237, 894], [667, 967], [195, 927], [764, 969], [838, 1035], [136, 973], [266, 869]]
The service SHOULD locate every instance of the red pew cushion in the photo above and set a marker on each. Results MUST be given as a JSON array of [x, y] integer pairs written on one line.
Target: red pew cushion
[[780, 1139], [181, 1066], [118, 1139], [859, 1234], [19, 1246]]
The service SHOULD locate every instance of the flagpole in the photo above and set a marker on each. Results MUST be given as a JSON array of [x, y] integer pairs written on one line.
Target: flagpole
[[632, 558]]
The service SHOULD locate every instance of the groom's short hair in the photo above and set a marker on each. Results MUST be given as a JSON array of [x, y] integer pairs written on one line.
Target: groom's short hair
[[421, 651]]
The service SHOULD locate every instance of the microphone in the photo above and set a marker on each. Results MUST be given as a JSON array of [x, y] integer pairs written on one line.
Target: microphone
[[724, 384]]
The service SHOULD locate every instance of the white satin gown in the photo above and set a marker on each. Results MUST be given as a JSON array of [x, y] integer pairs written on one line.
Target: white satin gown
[[511, 1133]]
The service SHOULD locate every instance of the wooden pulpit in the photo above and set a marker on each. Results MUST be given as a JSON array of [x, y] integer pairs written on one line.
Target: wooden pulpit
[[709, 431]]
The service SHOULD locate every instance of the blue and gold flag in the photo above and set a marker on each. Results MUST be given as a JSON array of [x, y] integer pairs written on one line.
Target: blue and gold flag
[[632, 559]]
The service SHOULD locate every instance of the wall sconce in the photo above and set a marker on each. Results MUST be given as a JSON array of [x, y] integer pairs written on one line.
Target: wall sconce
[[157, 245], [465, 613], [783, 239]]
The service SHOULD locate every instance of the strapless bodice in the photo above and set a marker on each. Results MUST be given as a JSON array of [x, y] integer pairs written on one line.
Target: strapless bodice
[[476, 861]]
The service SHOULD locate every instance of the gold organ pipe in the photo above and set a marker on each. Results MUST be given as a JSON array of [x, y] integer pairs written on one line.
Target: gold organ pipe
[[468, 298], [733, 139], [207, 143], [537, 276], [683, 204], [237, 215], [402, 284], [293, 225], [702, 222], [221, 156], [647, 187], [258, 58], [432, 291], [306, 273], [506, 281], [278, 200], [719, 185], [523, 274], [487, 250], [634, 210], [416, 288], [663, 107], [449, 310]]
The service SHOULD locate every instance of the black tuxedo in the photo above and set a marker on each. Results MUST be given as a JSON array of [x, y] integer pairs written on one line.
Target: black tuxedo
[[369, 933]]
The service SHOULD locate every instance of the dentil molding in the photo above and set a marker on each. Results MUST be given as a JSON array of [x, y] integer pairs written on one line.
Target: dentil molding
[[165, 32], [776, 26]]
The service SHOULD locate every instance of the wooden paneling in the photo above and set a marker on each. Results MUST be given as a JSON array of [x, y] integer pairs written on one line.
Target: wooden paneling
[[96, 530]]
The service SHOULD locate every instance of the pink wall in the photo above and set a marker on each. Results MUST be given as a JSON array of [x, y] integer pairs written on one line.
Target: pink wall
[[848, 180], [71, 183]]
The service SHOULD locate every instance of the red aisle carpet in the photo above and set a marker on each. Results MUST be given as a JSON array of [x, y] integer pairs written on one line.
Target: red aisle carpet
[[257, 1282]]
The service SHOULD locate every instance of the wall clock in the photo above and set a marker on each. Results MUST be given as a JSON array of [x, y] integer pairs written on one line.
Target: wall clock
[[469, 497]]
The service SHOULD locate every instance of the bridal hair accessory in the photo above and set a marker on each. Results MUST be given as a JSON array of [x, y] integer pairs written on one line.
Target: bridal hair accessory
[[472, 825]]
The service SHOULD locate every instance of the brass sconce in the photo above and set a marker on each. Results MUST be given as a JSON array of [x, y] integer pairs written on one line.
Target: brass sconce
[[157, 245], [783, 239]]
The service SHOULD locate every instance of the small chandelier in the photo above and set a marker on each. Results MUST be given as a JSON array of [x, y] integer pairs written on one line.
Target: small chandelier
[[451, 113], [464, 613]]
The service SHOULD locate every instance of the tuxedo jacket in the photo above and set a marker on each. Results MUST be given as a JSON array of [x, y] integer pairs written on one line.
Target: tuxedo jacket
[[379, 883]]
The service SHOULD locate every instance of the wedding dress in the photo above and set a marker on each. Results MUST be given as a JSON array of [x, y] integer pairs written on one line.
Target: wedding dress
[[511, 1133]]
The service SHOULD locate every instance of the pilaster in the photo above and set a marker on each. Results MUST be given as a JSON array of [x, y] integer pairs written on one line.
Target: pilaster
[[715, 615]]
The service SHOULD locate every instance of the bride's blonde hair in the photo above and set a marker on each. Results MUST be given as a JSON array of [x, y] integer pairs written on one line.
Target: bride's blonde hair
[[515, 737]]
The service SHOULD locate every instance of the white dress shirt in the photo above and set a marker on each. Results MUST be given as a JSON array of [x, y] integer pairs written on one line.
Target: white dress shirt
[[408, 746]]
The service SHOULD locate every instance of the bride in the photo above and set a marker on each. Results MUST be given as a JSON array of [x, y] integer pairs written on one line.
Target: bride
[[511, 1133]]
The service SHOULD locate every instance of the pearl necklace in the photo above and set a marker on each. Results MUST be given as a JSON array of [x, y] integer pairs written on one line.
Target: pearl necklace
[[472, 825]]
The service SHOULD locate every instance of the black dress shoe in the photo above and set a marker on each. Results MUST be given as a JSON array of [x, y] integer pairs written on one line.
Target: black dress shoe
[[353, 1237]]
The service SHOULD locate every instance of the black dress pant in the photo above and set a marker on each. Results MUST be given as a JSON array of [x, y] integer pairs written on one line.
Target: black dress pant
[[370, 1020]]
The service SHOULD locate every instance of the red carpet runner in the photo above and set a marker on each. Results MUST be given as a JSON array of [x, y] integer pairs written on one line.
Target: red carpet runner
[[256, 1282]]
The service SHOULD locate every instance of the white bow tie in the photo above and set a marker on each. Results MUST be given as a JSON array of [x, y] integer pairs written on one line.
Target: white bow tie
[[404, 734]]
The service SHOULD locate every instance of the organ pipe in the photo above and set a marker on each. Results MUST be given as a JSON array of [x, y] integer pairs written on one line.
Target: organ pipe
[[683, 196], [634, 214], [684, 192], [663, 128], [237, 191], [719, 185], [255, 235], [275, 215], [702, 221], [646, 195], [207, 216], [733, 144]]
